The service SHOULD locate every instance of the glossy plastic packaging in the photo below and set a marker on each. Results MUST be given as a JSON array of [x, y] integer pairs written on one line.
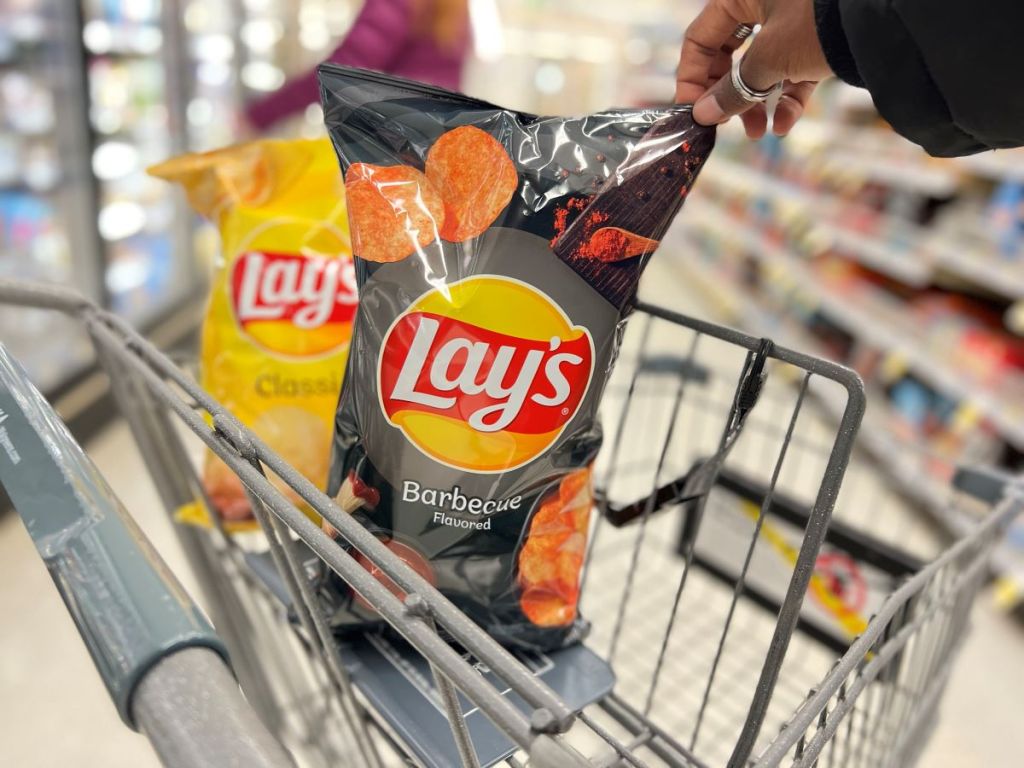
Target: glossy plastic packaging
[[497, 255], [282, 300]]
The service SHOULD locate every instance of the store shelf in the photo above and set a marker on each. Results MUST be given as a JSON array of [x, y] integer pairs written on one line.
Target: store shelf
[[874, 322], [907, 266], [21, 188], [1002, 277], [910, 174], [913, 266], [879, 155], [745, 309], [883, 155], [46, 214]]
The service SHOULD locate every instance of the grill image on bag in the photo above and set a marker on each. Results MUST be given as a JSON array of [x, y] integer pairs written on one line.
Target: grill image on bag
[[743, 607]]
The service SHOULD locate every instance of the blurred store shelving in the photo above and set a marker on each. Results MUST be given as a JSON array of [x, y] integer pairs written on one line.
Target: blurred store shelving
[[572, 56], [133, 103], [847, 241], [281, 38], [46, 213], [843, 240]]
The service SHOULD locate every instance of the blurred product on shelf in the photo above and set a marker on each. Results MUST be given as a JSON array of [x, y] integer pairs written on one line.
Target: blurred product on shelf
[[1006, 217]]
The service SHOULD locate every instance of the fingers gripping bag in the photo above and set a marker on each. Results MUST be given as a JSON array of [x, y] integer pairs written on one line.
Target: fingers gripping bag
[[497, 255], [282, 301]]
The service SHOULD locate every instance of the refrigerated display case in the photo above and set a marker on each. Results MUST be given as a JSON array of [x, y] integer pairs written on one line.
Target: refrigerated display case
[[47, 210], [91, 93], [134, 100], [211, 85]]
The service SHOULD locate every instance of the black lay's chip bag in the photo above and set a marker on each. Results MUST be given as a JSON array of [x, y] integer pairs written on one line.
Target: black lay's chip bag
[[497, 255]]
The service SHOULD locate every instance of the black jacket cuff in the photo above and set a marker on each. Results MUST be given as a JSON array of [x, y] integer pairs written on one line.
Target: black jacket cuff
[[834, 43]]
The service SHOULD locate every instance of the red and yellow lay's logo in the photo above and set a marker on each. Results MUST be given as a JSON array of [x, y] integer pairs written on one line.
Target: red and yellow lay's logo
[[300, 306], [484, 374]]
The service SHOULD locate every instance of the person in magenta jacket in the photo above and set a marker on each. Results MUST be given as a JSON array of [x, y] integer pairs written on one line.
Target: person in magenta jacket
[[425, 40]]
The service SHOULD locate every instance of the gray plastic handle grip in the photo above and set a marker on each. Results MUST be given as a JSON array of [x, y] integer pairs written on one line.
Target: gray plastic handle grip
[[129, 608]]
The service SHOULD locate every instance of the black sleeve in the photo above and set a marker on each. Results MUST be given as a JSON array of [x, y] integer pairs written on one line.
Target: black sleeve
[[946, 74]]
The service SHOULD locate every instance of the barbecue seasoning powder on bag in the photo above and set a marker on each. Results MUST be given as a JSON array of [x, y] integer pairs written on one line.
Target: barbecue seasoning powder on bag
[[282, 300], [497, 255]]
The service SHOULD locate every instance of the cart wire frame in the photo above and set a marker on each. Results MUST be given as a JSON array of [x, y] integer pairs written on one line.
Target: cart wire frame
[[873, 708]]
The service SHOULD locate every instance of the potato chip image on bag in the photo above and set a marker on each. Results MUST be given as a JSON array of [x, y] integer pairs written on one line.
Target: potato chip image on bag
[[475, 177], [282, 301], [497, 255], [392, 203]]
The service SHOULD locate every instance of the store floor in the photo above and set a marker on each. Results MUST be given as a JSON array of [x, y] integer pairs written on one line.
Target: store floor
[[55, 712]]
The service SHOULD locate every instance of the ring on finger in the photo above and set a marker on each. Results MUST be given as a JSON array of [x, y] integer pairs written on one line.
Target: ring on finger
[[743, 31], [748, 94]]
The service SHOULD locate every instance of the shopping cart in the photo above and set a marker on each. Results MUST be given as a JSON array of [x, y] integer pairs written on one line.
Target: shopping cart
[[731, 624]]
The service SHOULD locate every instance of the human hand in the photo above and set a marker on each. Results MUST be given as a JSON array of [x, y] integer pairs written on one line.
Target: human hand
[[786, 50]]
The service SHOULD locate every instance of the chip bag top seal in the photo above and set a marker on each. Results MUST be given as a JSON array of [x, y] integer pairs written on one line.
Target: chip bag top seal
[[282, 301], [497, 255]]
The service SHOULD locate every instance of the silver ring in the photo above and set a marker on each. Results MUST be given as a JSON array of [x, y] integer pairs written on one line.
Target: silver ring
[[748, 94], [743, 31]]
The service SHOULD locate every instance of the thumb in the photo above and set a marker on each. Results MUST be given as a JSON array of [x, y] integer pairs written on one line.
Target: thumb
[[723, 101]]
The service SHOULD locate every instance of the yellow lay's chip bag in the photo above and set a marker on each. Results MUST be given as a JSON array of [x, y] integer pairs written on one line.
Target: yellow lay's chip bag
[[283, 297]]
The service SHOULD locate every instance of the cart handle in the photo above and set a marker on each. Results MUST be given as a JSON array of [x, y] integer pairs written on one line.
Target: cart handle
[[162, 662], [195, 716]]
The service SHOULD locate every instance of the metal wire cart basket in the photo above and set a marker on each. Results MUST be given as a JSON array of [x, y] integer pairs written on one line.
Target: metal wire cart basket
[[734, 619]]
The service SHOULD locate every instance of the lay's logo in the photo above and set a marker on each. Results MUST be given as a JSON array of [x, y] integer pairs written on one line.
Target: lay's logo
[[294, 305], [484, 374]]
